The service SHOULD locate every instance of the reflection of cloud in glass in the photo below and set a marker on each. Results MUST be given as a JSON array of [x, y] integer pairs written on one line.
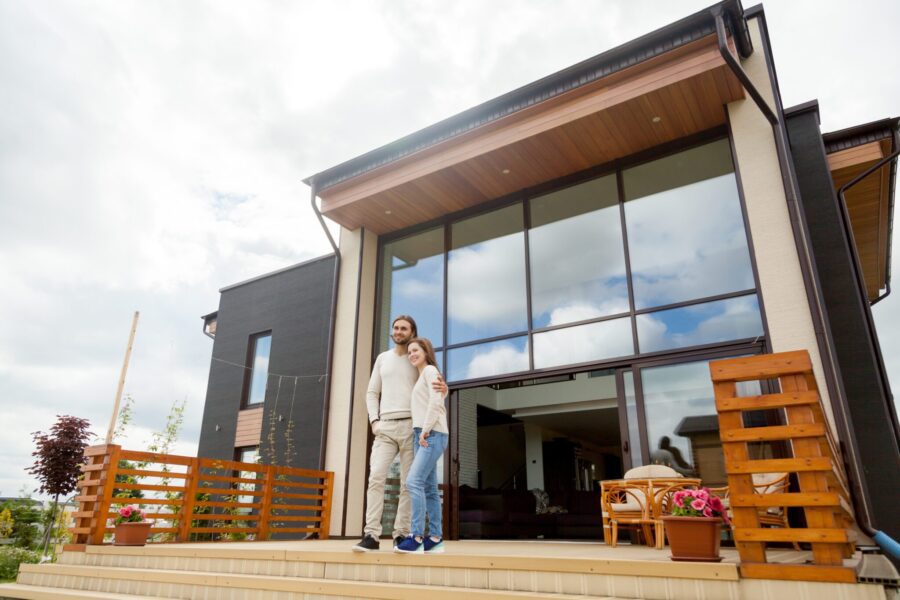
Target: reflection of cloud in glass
[[485, 360], [579, 260], [486, 294], [687, 243], [723, 320], [583, 343]]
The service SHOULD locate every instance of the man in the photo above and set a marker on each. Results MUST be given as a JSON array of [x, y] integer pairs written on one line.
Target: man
[[388, 403]]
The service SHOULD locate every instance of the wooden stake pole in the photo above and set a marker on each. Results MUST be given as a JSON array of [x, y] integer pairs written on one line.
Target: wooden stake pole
[[115, 414]]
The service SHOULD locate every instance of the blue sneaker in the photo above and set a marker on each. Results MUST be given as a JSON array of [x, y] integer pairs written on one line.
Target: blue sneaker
[[432, 547], [410, 546]]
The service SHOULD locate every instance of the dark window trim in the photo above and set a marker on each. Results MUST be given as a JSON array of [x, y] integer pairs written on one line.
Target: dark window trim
[[248, 371]]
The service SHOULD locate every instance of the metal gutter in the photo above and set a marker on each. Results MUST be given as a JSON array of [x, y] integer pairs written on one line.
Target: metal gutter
[[329, 353]]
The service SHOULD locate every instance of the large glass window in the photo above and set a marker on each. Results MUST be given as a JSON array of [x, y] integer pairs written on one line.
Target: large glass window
[[648, 259], [486, 276], [413, 284], [258, 351], [686, 237], [576, 253]]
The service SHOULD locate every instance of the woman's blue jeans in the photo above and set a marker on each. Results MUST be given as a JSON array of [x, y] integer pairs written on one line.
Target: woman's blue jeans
[[422, 486]]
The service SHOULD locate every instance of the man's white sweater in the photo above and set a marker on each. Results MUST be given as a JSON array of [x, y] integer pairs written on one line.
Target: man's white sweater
[[392, 380]]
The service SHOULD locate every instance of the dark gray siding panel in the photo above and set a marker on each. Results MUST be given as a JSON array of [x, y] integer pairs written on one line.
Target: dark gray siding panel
[[870, 409], [294, 304]]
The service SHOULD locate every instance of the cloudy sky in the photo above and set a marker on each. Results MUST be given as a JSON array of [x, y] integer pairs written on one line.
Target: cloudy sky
[[152, 152]]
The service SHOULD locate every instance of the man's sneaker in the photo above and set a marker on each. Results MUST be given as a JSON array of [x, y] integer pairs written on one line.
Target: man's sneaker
[[367, 544], [432, 547], [410, 546], [398, 540]]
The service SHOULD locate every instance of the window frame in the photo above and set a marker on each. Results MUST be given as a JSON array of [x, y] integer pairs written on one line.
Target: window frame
[[249, 361]]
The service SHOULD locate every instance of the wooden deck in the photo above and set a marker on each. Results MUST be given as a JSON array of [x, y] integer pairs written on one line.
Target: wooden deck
[[474, 570]]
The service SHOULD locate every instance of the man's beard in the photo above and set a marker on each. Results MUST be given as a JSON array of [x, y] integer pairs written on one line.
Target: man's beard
[[401, 340]]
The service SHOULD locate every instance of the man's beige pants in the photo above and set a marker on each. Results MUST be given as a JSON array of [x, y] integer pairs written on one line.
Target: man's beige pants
[[393, 437]]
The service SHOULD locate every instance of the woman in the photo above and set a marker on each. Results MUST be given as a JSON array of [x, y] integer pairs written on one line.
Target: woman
[[430, 436]]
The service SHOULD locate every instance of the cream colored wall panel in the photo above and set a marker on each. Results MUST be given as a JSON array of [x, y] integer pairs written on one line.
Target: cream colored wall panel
[[778, 265], [341, 372], [364, 358]]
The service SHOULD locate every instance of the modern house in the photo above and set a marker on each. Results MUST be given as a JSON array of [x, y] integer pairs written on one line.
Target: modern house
[[578, 250]]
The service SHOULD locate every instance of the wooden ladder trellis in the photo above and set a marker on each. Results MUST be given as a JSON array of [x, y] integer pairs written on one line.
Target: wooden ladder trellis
[[815, 459]]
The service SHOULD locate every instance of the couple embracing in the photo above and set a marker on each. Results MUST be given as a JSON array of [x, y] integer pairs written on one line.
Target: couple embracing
[[405, 401]]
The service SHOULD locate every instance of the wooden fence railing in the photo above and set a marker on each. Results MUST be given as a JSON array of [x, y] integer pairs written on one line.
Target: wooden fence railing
[[199, 499], [815, 461]]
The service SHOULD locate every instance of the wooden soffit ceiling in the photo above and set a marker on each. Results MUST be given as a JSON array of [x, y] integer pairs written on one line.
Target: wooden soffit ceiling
[[679, 93], [868, 204]]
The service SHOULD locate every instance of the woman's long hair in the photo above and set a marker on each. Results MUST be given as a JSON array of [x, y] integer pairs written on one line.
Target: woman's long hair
[[425, 345]]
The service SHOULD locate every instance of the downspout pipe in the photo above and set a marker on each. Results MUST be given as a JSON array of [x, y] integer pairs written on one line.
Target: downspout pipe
[[719, 13], [329, 353]]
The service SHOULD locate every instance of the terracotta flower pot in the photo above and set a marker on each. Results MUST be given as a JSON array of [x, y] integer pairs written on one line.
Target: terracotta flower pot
[[694, 538], [132, 534]]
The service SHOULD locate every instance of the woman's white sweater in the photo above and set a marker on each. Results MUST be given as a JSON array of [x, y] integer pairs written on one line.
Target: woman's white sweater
[[427, 405]]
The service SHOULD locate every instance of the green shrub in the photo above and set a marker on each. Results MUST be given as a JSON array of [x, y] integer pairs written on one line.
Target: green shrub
[[11, 557]]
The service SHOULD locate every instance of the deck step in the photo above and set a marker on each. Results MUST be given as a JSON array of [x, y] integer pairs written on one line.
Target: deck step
[[196, 584], [37, 592]]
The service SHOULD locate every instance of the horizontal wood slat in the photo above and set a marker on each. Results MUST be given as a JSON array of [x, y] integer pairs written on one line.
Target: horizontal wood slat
[[798, 572], [204, 503], [763, 366], [771, 534], [155, 458], [172, 501], [780, 465], [789, 499], [247, 530], [202, 485], [147, 473], [773, 433], [297, 496], [766, 401]]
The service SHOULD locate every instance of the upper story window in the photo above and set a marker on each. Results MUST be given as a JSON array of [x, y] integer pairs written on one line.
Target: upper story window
[[256, 379], [647, 259]]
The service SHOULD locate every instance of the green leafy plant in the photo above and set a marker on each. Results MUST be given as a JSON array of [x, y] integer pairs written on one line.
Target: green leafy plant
[[12, 557], [26, 516]]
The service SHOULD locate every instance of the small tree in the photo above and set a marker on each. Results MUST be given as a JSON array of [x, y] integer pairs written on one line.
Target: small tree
[[58, 458]]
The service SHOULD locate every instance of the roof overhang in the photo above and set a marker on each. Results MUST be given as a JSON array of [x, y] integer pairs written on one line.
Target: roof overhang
[[667, 85], [851, 152]]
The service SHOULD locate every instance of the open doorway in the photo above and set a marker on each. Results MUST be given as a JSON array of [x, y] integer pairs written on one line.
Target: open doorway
[[531, 454]]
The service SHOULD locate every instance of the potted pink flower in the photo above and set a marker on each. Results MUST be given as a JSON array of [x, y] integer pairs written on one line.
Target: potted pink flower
[[694, 527], [132, 527]]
